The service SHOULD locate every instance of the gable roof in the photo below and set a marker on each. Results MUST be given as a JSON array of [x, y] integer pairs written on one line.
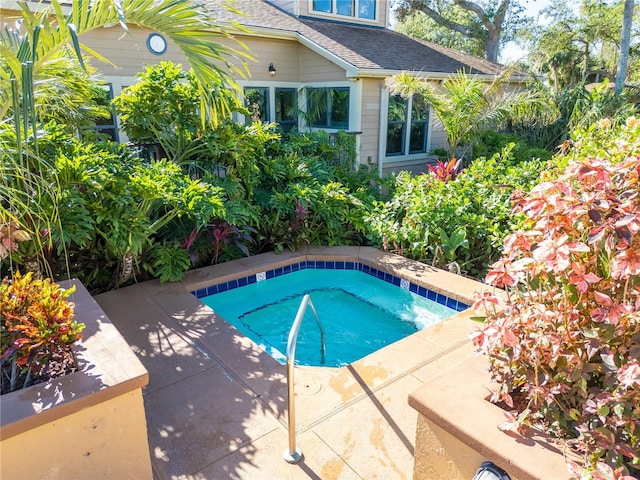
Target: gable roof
[[366, 49], [375, 47]]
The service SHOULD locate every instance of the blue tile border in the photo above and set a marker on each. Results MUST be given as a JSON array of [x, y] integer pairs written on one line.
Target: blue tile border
[[333, 265]]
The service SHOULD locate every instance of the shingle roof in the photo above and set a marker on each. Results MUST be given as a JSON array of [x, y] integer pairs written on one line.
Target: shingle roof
[[371, 48], [364, 47]]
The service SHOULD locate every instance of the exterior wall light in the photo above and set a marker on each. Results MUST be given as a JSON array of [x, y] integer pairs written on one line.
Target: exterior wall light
[[272, 70]]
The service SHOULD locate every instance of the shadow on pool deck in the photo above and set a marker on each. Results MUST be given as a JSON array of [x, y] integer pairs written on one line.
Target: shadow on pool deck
[[216, 403]]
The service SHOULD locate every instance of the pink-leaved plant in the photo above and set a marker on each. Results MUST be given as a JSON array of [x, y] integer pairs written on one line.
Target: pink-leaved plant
[[564, 342]]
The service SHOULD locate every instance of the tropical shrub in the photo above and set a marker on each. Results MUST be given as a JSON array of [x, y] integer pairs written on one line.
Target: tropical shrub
[[461, 221], [163, 107], [445, 171], [491, 142], [564, 344], [302, 204], [36, 331], [466, 105], [116, 209], [579, 109], [11, 234]]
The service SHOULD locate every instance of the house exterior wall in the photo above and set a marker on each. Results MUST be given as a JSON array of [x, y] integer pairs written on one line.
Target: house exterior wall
[[315, 68], [370, 125], [297, 66], [284, 54], [438, 135]]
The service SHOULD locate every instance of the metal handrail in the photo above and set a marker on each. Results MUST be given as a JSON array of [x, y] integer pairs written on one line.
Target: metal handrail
[[293, 454]]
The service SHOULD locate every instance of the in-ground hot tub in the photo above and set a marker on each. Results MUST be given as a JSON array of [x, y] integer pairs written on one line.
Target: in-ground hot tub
[[362, 309]]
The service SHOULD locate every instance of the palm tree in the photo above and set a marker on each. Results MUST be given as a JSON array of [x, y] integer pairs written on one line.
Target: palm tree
[[625, 42], [43, 35], [33, 74], [466, 104]]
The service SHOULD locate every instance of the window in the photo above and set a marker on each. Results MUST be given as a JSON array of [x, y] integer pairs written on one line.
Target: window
[[107, 127], [345, 7], [407, 126], [419, 125], [351, 8], [396, 123], [256, 99], [325, 6], [328, 107], [367, 9], [286, 108]]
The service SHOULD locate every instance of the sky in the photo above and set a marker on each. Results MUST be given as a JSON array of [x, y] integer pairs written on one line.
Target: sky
[[512, 52]]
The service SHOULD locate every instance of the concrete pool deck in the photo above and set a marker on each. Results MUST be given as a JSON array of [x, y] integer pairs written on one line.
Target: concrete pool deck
[[216, 404]]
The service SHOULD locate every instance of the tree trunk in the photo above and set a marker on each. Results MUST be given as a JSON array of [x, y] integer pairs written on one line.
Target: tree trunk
[[492, 48], [585, 69], [625, 43], [126, 268], [32, 264]]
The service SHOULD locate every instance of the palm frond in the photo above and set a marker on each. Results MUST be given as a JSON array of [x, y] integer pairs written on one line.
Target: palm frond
[[189, 26]]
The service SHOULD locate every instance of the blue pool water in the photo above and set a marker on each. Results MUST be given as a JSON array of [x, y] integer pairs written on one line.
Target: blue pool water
[[360, 314]]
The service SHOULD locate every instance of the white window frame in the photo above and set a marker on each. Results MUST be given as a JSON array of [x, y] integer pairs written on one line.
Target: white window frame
[[384, 119], [354, 104], [334, 14], [118, 84], [271, 86]]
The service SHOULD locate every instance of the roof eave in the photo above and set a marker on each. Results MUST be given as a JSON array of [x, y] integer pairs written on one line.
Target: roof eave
[[377, 73]]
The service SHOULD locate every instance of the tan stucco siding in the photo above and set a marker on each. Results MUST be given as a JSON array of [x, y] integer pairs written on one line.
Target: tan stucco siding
[[127, 51], [314, 68], [284, 54], [107, 440], [438, 138], [370, 120]]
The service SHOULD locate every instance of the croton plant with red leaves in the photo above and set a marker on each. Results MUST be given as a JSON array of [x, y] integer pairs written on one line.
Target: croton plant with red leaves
[[564, 342], [36, 328]]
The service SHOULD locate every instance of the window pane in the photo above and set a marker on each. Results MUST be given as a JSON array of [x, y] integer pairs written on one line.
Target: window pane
[[328, 107], [105, 125], [419, 109], [367, 9], [317, 106], [397, 109], [418, 137], [322, 5], [419, 125], [286, 107], [396, 125], [345, 7], [339, 108], [395, 139], [257, 101]]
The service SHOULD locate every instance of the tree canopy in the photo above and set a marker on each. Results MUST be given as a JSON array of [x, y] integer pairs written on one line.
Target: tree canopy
[[469, 26], [583, 45]]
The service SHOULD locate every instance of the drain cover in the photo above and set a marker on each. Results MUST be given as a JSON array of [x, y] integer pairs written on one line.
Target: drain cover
[[307, 388]]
